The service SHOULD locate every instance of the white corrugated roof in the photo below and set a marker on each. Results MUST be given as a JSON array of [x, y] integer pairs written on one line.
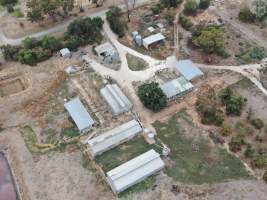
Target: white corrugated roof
[[176, 87], [134, 171], [113, 137], [79, 114], [188, 69], [153, 38], [64, 51], [116, 99]]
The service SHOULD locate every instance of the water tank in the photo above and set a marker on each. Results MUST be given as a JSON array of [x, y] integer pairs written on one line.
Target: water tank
[[138, 40]]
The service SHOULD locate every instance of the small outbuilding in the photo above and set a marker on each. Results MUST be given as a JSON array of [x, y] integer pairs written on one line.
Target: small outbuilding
[[116, 99], [188, 69], [107, 52], [65, 53], [79, 114], [113, 138], [176, 88], [152, 39], [134, 171]]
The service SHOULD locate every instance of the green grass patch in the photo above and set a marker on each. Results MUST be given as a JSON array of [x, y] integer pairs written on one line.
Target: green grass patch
[[32, 143], [17, 13], [70, 132], [123, 153], [194, 159], [135, 63]]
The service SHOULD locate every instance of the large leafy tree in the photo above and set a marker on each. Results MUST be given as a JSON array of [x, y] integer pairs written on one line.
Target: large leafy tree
[[210, 39], [190, 7], [245, 15], [152, 96]]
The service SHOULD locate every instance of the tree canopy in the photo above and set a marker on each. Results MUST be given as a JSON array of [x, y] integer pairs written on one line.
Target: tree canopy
[[152, 96], [210, 39], [190, 7]]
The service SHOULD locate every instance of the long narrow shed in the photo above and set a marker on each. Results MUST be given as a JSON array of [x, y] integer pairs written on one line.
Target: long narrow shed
[[116, 99], [79, 114], [134, 171], [153, 39], [114, 137], [188, 69], [176, 88]]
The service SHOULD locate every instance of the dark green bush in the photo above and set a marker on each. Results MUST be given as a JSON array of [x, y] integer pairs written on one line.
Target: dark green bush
[[259, 161], [257, 123], [236, 143], [245, 15], [185, 22], [115, 22], [249, 152]]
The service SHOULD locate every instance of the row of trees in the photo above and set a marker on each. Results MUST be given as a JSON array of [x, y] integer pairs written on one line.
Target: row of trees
[[8, 2], [40, 9], [79, 33]]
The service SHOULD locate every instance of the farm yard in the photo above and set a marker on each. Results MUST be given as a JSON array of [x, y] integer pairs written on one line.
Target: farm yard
[[122, 115]]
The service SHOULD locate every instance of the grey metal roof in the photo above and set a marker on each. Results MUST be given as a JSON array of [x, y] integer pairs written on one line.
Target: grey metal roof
[[176, 87], [188, 69], [116, 99], [105, 48], [134, 171], [79, 114], [153, 38], [114, 137]]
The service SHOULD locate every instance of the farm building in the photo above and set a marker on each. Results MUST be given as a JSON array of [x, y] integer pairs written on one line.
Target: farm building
[[176, 88], [65, 53], [152, 39], [79, 114], [113, 138], [116, 99], [188, 69], [107, 52], [134, 171]]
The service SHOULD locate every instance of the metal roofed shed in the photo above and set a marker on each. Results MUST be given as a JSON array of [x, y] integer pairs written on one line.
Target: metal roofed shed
[[116, 99], [153, 39], [65, 53], [113, 138], [79, 114], [107, 52], [176, 88], [188, 69], [134, 171]]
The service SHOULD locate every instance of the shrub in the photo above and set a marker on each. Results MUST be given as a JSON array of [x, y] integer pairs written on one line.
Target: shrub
[[152, 96], [258, 138], [203, 4], [114, 19], [190, 7], [10, 8], [245, 15], [27, 56], [9, 52], [249, 152], [156, 9], [70, 132], [233, 103], [226, 129], [265, 176], [185, 22], [236, 143], [257, 123], [259, 161], [257, 53]]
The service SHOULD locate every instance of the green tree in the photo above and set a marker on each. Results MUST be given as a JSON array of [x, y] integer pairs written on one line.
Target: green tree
[[27, 56], [114, 19], [35, 13], [51, 43], [8, 2], [170, 3], [245, 15], [190, 7], [152, 96], [210, 39], [185, 22], [30, 43], [67, 6], [203, 4]]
